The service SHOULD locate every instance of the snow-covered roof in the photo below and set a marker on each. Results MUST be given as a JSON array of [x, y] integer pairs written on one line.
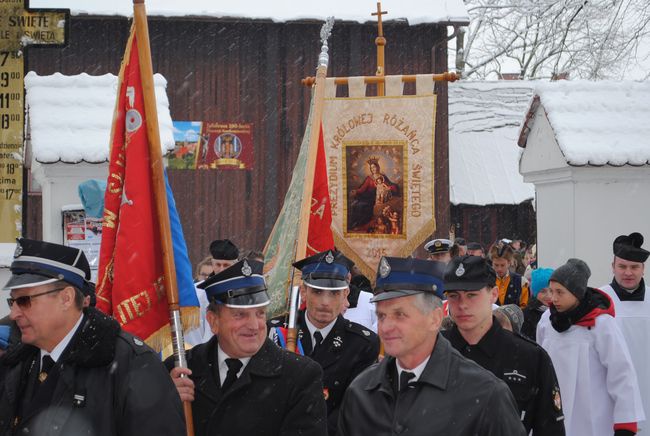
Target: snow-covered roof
[[413, 11], [70, 117], [484, 120], [596, 123]]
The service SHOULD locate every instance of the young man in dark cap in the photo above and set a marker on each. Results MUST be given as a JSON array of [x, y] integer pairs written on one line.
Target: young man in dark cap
[[224, 254], [521, 363], [240, 383], [599, 387], [631, 299], [342, 348], [423, 386], [74, 370]]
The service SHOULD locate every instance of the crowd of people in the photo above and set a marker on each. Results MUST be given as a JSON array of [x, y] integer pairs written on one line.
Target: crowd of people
[[471, 341]]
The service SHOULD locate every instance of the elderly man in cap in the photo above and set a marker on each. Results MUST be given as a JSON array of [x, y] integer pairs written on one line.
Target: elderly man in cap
[[74, 370], [631, 299], [224, 254], [521, 363], [343, 348], [425, 387], [239, 382]]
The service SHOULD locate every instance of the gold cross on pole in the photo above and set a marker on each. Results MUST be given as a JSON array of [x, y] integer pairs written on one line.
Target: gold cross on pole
[[380, 42]]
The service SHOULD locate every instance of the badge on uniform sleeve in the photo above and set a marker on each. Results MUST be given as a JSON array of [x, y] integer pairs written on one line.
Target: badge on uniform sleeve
[[557, 400]]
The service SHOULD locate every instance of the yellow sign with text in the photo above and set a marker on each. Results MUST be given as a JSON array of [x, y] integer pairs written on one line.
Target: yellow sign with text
[[19, 28]]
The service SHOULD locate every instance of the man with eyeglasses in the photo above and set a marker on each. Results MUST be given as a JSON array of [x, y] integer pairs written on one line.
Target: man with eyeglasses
[[74, 370]]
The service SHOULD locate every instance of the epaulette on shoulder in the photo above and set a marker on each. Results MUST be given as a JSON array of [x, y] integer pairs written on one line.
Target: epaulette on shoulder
[[359, 330], [135, 343], [530, 341]]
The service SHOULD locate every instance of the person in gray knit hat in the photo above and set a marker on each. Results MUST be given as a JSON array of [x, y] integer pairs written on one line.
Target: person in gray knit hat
[[593, 364], [574, 276]]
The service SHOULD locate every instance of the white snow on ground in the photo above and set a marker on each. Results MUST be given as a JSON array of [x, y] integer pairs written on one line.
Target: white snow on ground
[[414, 11], [484, 120], [70, 117], [599, 123]]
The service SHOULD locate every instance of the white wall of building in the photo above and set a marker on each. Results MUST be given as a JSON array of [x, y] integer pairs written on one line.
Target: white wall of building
[[581, 210]]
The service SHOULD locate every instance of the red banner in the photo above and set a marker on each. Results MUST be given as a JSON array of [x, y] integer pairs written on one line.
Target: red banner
[[320, 233], [130, 284]]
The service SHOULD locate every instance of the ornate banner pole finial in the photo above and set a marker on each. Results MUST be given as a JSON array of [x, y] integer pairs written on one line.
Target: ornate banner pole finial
[[325, 32], [380, 42]]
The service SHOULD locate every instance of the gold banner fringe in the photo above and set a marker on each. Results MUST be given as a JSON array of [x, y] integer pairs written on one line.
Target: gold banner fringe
[[162, 339]]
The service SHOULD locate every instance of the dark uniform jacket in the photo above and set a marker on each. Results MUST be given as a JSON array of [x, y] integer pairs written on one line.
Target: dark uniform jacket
[[452, 397], [278, 393], [106, 382], [348, 349], [526, 369]]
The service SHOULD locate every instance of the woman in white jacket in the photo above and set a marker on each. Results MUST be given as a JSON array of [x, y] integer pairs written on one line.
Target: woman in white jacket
[[600, 394]]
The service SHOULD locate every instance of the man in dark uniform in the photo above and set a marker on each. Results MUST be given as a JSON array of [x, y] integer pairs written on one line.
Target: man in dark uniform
[[425, 387], [342, 348], [73, 370], [240, 383], [521, 363]]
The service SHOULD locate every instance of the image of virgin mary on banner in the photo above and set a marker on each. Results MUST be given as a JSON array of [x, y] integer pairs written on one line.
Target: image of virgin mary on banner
[[374, 188], [380, 166]]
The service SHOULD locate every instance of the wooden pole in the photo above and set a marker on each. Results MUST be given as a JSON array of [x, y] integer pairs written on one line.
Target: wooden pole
[[160, 193], [408, 78], [380, 42]]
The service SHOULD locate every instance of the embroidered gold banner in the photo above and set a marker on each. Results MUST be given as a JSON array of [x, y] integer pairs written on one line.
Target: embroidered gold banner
[[380, 162]]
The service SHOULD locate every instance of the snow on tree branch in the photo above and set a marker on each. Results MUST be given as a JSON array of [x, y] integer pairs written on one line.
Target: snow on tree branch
[[538, 39]]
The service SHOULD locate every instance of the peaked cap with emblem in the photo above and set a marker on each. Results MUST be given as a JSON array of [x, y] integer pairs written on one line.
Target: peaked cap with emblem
[[438, 246], [401, 277], [38, 263], [327, 270], [240, 285], [629, 247], [468, 273]]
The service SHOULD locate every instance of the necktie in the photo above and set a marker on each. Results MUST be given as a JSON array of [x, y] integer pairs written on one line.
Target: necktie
[[46, 365], [404, 379], [318, 338], [234, 365]]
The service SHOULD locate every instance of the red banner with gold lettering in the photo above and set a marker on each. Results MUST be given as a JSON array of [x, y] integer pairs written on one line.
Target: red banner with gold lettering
[[130, 283], [320, 236]]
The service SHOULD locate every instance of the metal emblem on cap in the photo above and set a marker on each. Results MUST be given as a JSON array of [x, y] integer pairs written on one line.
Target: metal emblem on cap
[[329, 258], [19, 250], [460, 270], [384, 268], [437, 244], [246, 269]]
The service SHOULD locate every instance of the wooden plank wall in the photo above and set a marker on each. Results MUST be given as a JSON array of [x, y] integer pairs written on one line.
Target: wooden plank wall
[[486, 224], [243, 71]]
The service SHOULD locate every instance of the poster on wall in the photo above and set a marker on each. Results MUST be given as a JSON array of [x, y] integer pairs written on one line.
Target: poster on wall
[[85, 233], [187, 137], [226, 146]]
